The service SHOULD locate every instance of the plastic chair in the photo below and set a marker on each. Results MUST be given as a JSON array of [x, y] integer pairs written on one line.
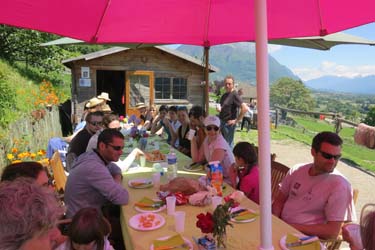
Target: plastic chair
[[58, 172], [278, 172]]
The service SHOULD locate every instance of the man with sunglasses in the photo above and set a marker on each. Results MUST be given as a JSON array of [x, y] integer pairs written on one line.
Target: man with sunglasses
[[316, 198], [230, 103], [95, 181], [78, 145]]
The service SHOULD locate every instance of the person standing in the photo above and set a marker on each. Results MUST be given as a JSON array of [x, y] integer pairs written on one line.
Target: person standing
[[230, 102], [316, 198]]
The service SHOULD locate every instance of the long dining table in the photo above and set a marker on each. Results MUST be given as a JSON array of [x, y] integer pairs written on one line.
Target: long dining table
[[240, 236]]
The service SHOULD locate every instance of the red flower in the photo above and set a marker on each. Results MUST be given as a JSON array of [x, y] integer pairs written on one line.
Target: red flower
[[205, 222]]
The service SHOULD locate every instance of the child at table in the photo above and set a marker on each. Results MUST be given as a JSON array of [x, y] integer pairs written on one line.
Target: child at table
[[247, 170], [89, 230]]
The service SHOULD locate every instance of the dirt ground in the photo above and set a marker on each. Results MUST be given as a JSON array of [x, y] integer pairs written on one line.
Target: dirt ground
[[291, 153]]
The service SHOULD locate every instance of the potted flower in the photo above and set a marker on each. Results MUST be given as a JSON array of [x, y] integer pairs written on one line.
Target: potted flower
[[215, 224]]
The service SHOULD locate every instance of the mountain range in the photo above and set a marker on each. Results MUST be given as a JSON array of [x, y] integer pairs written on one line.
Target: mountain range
[[357, 85], [237, 59]]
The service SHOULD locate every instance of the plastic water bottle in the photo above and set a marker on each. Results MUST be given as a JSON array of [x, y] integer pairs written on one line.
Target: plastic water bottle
[[172, 164]]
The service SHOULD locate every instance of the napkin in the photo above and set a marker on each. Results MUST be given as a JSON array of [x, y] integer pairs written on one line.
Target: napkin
[[247, 215], [290, 238], [148, 204], [141, 183], [175, 242]]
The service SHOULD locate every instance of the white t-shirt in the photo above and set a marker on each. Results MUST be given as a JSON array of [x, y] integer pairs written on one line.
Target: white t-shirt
[[175, 125], [219, 143], [316, 199]]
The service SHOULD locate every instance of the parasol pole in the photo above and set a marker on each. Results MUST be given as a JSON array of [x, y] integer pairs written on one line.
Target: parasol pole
[[206, 78], [261, 34]]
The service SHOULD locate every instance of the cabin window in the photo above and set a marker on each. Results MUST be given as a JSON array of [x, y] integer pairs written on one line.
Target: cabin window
[[170, 88]]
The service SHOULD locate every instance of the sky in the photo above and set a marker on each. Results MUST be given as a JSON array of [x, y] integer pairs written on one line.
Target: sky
[[341, 60]]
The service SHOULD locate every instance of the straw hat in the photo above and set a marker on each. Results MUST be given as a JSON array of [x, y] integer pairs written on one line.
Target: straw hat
[[104, 95], [140, 105], [93, 102], [106, 108]]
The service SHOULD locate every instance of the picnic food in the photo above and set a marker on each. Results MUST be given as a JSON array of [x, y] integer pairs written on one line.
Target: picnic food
[[155, 155], [148, 220], [184, 185]]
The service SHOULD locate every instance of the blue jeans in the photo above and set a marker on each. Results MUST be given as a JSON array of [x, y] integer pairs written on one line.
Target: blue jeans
[[228, 132]]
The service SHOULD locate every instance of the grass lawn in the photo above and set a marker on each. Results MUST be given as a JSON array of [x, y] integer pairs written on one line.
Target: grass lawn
[[305, 131]]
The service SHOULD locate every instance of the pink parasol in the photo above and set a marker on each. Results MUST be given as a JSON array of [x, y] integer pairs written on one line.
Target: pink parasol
[[198, 22]]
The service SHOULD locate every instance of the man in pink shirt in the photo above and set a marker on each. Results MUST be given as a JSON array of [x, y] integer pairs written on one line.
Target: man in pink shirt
[[316, 198]]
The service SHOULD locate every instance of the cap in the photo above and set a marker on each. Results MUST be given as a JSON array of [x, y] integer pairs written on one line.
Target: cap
[[93, 102], [212, 120], [104, 96]]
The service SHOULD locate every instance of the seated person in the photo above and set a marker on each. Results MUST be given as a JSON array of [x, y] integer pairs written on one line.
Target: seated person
[[94, 180], [93, 105], [196, 117], [316, 198], [79, 143], [173, 125], [145, 116], [215, 148], [365, 239], [246, 158], [183, 130], [161, 121], [109, 121], [29, 214], [89, 229], [31, 169]]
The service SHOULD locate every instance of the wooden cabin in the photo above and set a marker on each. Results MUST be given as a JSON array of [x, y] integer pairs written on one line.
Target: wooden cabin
[[152, 75]]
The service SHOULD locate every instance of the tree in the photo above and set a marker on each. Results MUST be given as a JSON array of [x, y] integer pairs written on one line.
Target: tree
[[370, 117], [290, 93]]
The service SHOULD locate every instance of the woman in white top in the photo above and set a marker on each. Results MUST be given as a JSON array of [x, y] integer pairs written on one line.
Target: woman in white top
[[215, 148]]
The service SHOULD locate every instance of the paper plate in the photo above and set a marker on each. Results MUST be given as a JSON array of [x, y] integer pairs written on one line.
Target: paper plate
[[193, 169], [242, 221], [187, 242], [146, 221], [137, 183], [284, 247], [156, 161], [149, 209]]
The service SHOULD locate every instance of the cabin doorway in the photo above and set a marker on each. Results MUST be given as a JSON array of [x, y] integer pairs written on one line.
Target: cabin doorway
[[112, 82]]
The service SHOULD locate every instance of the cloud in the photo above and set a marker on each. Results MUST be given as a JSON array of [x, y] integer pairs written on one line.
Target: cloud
[[273, 48], [332, 68]]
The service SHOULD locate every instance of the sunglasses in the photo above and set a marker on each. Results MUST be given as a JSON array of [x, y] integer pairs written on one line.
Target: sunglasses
[[209, 128], [117, 148], [329, 156], [96, 123]]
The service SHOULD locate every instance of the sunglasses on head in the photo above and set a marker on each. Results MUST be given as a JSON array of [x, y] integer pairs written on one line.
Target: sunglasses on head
[[117, 148], [329, 156], [209, 128], [96, 123]]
